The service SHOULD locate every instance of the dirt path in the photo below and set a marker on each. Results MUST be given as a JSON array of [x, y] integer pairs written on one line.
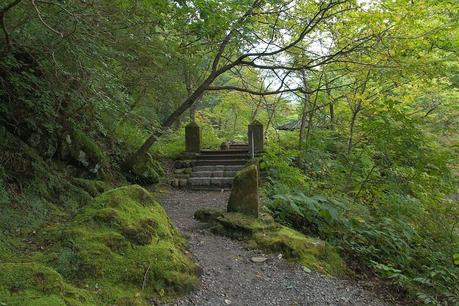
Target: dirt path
[[229, 277]]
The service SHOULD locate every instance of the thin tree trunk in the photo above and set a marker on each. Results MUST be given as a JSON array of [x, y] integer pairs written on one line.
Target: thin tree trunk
[[332, 115], [255, 112], [331, 105], [193, 113], [313, 111], [235, 121], [351, 130], [189, 90], [270, 119], [304, 115]]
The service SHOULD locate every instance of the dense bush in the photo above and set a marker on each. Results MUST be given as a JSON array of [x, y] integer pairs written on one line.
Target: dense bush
[[404, 230]]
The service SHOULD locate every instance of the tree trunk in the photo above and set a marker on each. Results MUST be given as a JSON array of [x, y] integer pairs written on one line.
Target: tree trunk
[[312, 111], [332, 115], [189, 90], [349, 181], [331, 105], [270, 118], [304, 115], [193, 113], [351, 131]]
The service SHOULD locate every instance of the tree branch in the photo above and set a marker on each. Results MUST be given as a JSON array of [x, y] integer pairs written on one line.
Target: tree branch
[[253, 92], [44, 22], [3, 25]]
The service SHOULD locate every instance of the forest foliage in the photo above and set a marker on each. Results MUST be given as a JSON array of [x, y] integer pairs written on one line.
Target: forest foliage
[[371, 87]]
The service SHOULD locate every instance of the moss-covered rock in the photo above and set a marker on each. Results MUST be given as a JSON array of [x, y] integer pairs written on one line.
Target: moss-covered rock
[[207, 214], [145, 171], [121, 242], [93, 187], [83, 150], [264, 233], [244, 194]]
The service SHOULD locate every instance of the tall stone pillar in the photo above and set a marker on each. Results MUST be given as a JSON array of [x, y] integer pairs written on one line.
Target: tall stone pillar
[[255, 135], [192, 138]]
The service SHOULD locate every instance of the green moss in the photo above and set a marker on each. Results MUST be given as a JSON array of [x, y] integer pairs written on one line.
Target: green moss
[[4, 196], [94, 154], [36, 194], [87, 255], [146, 171], [7, 247], [93, 187], [140, 234], [123, 240], [310, 252], [207, 214], [264, 233], [241, 226], [36, 284]]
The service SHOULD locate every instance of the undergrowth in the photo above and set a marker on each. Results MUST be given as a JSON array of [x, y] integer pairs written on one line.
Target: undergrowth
[[68, 238], [405, 231]]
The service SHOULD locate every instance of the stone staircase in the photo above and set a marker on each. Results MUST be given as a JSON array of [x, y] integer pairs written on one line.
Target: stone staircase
[[213, 170]]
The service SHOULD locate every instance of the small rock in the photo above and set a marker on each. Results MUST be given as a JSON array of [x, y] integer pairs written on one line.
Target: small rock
[[227, 302], [307, 270], [175, 183], [179, 171], [258, 259], [344, 300]]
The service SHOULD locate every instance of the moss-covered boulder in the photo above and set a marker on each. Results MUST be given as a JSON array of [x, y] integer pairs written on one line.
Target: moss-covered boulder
[[244, 194], [145, 171], [123, 245], [81, 149], [264, 233]]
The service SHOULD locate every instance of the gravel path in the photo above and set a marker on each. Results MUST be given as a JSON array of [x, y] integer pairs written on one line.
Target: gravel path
[[229, 277]]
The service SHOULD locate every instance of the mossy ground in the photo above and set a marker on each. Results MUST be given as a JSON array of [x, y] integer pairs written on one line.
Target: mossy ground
[[119, 248], [36, 284], [61, 246], [264, 233], [93, 187]]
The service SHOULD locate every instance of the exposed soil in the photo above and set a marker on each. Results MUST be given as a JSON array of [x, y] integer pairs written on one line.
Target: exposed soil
[[230, 277]]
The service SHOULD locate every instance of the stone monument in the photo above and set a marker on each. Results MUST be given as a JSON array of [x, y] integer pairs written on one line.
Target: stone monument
[[244, 194], [255, 136], [193, 138]]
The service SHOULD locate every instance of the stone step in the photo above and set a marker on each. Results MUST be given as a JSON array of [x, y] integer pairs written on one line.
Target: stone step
[[213, 173], [225, 162], [210, 188], [211, 181], [182, 176], [239, 146], [217, 168], [222, 156], [223, 152]]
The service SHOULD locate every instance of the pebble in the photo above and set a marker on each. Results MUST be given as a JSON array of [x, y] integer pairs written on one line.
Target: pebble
[[258, 259]]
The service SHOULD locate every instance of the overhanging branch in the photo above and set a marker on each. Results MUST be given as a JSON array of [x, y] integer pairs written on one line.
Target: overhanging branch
[[253, 92]]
